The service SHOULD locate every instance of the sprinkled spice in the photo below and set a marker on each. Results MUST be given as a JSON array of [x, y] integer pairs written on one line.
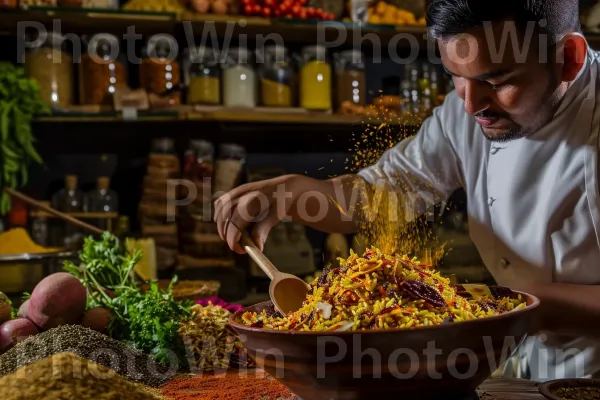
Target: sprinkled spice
[[91, 345], [67, 376], [233, 385]]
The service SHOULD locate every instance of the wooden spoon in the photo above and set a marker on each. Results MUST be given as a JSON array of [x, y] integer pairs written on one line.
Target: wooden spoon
[[287, 291]]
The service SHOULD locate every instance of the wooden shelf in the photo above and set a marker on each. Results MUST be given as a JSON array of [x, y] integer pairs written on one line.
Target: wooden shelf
[[78, 215], [216, 114]]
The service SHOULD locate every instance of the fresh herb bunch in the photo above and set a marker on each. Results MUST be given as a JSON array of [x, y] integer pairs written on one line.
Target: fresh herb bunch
[[20, 102], [148, 321]]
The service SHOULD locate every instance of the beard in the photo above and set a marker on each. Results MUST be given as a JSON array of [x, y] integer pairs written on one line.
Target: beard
[[544, 113]]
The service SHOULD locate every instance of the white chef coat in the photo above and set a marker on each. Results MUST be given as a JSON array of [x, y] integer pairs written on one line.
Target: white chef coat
[[533, 203]]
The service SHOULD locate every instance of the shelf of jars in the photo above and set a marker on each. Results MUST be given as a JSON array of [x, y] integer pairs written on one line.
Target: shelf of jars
[[301, 24]]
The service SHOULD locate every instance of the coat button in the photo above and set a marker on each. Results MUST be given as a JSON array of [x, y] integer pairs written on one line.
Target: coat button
[[504, 263], [491, 201], [494, 150]]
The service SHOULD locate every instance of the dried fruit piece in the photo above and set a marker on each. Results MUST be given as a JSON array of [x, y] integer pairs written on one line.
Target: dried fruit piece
[[425, 292]]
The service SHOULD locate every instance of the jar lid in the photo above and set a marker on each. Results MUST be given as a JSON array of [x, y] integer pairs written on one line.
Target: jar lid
[[163, 144], [161, 46], [201, 146], [239, 54], [104, 46], [354, 56], [320, 52], [232, 150]]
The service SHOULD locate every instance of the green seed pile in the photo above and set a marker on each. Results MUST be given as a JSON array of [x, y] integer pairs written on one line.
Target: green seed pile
[[90, 345], [67, 376]]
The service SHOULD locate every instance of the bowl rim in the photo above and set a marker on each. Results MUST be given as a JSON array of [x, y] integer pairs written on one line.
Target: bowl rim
[[232, 322], [545, 388]]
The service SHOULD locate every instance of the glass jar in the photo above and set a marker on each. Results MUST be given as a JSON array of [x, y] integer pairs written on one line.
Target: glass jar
[[51, 65], [8, 4], [315, 79], [203, 76], [239, 79], [102, 70], [228, 167], [199, 160], [42, 3], [350, 77], [159, 72], [276, 77]]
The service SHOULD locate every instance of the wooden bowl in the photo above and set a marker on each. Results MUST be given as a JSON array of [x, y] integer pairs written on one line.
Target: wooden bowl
[[549, 389], [444, 361]]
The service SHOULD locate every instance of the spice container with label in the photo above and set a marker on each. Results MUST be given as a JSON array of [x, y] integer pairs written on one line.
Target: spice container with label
[[276, 77], [51, 65], [159, 71], [229, 167], [102, 71], [350, 77], [203, 76], [239, 79], [315, 79]]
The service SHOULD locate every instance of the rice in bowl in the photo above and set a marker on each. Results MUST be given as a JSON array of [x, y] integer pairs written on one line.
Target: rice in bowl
[[376, 291]]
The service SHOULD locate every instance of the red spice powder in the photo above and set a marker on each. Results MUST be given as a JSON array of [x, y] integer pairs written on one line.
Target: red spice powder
[[232, 385]]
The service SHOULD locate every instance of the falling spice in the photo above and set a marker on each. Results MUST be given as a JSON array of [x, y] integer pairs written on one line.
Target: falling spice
[[91, 345], [67, 376], [233, 385]]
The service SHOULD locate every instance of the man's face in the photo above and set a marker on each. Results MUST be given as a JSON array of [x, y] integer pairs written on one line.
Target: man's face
[[510, 90]]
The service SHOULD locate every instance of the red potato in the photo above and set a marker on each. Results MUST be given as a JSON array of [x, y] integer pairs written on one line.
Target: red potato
[[22, 313], [59, 299], [97, 318], [15, 331]]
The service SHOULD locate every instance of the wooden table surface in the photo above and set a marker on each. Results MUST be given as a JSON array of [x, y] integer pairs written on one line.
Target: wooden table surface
[[509, 389]]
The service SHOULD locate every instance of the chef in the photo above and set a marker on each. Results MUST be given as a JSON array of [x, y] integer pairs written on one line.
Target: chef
[[520, 135]]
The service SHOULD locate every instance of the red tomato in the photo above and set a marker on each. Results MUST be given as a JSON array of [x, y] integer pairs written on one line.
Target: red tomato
[[310, 12], [296, 10], [303, 2], [318, 12], [302, 13], [248, 10], [277, 12], [270, 3], [247, 2], [266, 12], [257, 9], [283, 8]]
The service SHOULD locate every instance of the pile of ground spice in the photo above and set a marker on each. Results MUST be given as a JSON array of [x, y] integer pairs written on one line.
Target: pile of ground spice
[[91, 345], [248, 384], [67, 376]]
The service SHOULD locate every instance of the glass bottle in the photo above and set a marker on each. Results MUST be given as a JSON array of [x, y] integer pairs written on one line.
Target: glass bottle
[[198, 164], [350, 77], [69, 200], [315, 78], [203, 76], [101, 74], [51, 65], [276, 77], [228, 167], [159, 71], [239, 79], [102, 200]]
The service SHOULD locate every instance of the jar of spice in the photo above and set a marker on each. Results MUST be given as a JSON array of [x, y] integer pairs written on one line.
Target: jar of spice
[[350, 77], [71, 3], [228, 168], [102, 70], [276, 77], [203, 76], [159, 71], [315, 79], [9, 3], [239, 79], [51, 65], [199, 160]]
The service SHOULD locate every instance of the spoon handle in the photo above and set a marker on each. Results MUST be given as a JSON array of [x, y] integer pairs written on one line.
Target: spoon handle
[[258, 256]]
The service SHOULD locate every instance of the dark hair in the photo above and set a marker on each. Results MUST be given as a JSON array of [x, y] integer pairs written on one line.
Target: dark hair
[[446, 18]]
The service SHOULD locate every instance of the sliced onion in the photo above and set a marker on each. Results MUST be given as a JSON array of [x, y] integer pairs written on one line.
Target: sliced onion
[[346, 326], [325, 309]]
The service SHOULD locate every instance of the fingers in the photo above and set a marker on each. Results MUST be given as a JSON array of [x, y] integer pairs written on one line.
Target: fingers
[[261, 230], [249, 208]]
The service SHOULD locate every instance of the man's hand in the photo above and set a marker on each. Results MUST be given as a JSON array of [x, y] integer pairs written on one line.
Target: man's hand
[[299, 198]]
